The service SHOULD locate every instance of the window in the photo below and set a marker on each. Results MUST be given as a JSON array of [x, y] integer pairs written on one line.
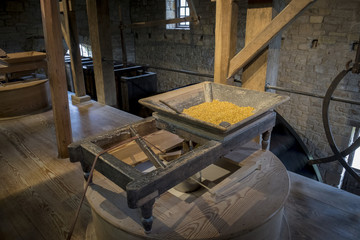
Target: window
[[177, 9], [183, 11], [85, 50]]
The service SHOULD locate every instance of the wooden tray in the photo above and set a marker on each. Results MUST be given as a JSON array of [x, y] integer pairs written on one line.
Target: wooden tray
[[21, 57], [203, 92]]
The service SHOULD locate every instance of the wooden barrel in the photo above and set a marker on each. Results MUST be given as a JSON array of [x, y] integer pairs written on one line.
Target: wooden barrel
[[246, 204], [23, 98]]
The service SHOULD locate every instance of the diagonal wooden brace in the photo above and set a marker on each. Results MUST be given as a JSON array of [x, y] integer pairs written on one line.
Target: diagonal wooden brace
[[251, 50]]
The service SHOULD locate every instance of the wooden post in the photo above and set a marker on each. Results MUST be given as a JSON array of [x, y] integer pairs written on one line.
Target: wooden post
[[56, 72], [225, 38], [73, 44], [100, 36], [263, 68], [258, 16]]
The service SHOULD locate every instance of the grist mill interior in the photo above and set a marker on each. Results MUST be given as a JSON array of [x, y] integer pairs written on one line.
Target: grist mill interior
[[179, 119]]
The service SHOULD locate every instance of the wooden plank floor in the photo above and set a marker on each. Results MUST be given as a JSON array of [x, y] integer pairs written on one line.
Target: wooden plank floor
[[39, 193]]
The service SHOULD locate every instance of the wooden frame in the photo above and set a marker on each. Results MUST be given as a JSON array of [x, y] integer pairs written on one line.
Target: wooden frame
[[227, 66]]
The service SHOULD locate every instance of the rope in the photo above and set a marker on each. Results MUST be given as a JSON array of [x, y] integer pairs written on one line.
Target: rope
[[89, 180]]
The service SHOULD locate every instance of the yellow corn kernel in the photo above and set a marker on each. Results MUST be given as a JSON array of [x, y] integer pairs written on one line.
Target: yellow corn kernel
[[219, 111]]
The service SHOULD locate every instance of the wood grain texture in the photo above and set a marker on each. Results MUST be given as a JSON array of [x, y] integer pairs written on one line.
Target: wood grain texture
[[23, 98], [40, 193], [318, 211], [57, 77], [225, 38], [160, 141], [238, 205], [258, 16]]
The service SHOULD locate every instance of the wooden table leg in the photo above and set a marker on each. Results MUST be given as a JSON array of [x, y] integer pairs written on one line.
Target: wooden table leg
[[265, 142]]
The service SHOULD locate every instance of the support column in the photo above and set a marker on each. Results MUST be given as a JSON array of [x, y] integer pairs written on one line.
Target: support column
[[263, 68], [56, 72], [100, 36], [73, 44], [225, 38]]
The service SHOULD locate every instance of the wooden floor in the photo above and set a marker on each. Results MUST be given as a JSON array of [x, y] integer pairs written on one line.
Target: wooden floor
[[39, 193]]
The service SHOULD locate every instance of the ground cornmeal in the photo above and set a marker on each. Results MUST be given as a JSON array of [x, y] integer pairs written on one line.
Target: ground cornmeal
[[219, 111]]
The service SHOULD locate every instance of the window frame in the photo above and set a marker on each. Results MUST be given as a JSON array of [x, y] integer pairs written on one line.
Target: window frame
[[178, 7]]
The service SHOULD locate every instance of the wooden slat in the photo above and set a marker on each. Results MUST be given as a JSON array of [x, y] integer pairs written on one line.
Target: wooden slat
[[161, 141], [57, 77], [20, 67], [225, 35], [251, 50]]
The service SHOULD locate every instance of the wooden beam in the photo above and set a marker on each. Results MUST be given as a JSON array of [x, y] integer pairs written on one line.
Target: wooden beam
[[258, 16], [225, 38], [100, 36], [291, 11], [71, 34], [25, 66], [56, 71], [159, 22]]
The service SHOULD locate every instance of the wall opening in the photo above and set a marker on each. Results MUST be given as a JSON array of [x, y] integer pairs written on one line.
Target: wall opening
[[177, 9]]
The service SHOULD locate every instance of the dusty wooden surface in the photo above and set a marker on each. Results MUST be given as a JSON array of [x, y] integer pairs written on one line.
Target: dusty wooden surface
[[40, 193], [239, 204], [315, 210]]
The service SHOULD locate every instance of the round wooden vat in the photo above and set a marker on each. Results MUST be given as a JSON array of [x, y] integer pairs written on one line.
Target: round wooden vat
[[23, 98], [248, 204]]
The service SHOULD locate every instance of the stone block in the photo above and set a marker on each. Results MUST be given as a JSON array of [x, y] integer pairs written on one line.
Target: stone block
[[337, 34], [327, 39], [303, 46], [316, 19], [305, 29], [14, 6]]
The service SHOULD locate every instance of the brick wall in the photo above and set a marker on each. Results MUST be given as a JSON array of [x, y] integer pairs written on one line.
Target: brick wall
[[315, 48]]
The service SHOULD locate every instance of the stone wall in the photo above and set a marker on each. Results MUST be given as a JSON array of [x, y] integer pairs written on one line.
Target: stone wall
[[315, 48], [21, 26], [191, 50]]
